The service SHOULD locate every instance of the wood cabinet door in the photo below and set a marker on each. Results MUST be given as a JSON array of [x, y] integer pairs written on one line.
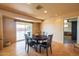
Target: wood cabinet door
[[1, 33]]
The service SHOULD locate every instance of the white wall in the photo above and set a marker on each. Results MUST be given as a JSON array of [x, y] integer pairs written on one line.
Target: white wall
[[55, 27]]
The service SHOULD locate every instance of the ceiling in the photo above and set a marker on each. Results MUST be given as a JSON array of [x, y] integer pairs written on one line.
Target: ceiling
[[53, 9]]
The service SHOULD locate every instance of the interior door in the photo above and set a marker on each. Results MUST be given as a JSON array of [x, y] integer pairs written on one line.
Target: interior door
[[74, 31], [21, 29]]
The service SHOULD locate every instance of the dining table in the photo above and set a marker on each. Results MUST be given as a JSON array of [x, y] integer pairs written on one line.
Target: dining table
[[39, 39]]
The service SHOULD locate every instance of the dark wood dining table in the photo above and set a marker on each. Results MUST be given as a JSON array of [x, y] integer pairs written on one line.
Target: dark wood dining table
[[39, 39]]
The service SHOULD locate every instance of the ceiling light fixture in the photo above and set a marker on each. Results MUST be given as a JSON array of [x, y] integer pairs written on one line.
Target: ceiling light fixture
[[45, 11]]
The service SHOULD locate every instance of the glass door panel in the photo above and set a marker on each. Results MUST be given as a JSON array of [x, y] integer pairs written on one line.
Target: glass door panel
[[21, 29]]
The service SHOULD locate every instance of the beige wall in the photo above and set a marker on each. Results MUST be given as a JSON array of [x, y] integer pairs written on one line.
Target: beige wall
[[36, 28], [1, 32], [54, 26]]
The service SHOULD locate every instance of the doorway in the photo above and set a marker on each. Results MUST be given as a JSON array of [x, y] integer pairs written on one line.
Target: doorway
[[21, 29], [70, 30]]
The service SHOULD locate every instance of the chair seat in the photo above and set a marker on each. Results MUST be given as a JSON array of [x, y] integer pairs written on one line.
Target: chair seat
[[31, 43], [44, 43]]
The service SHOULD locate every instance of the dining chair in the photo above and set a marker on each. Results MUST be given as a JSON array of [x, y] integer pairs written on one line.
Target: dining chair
[[29, 42], [47, 44]]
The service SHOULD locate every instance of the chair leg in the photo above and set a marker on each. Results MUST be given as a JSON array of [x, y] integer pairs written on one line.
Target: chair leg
[[25, 47], [35, 47], [47, 51], [40, 49], [28, 49], [51, 49]]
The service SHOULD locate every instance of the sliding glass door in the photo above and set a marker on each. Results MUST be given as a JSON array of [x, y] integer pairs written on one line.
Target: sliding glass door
[[21, 29]]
